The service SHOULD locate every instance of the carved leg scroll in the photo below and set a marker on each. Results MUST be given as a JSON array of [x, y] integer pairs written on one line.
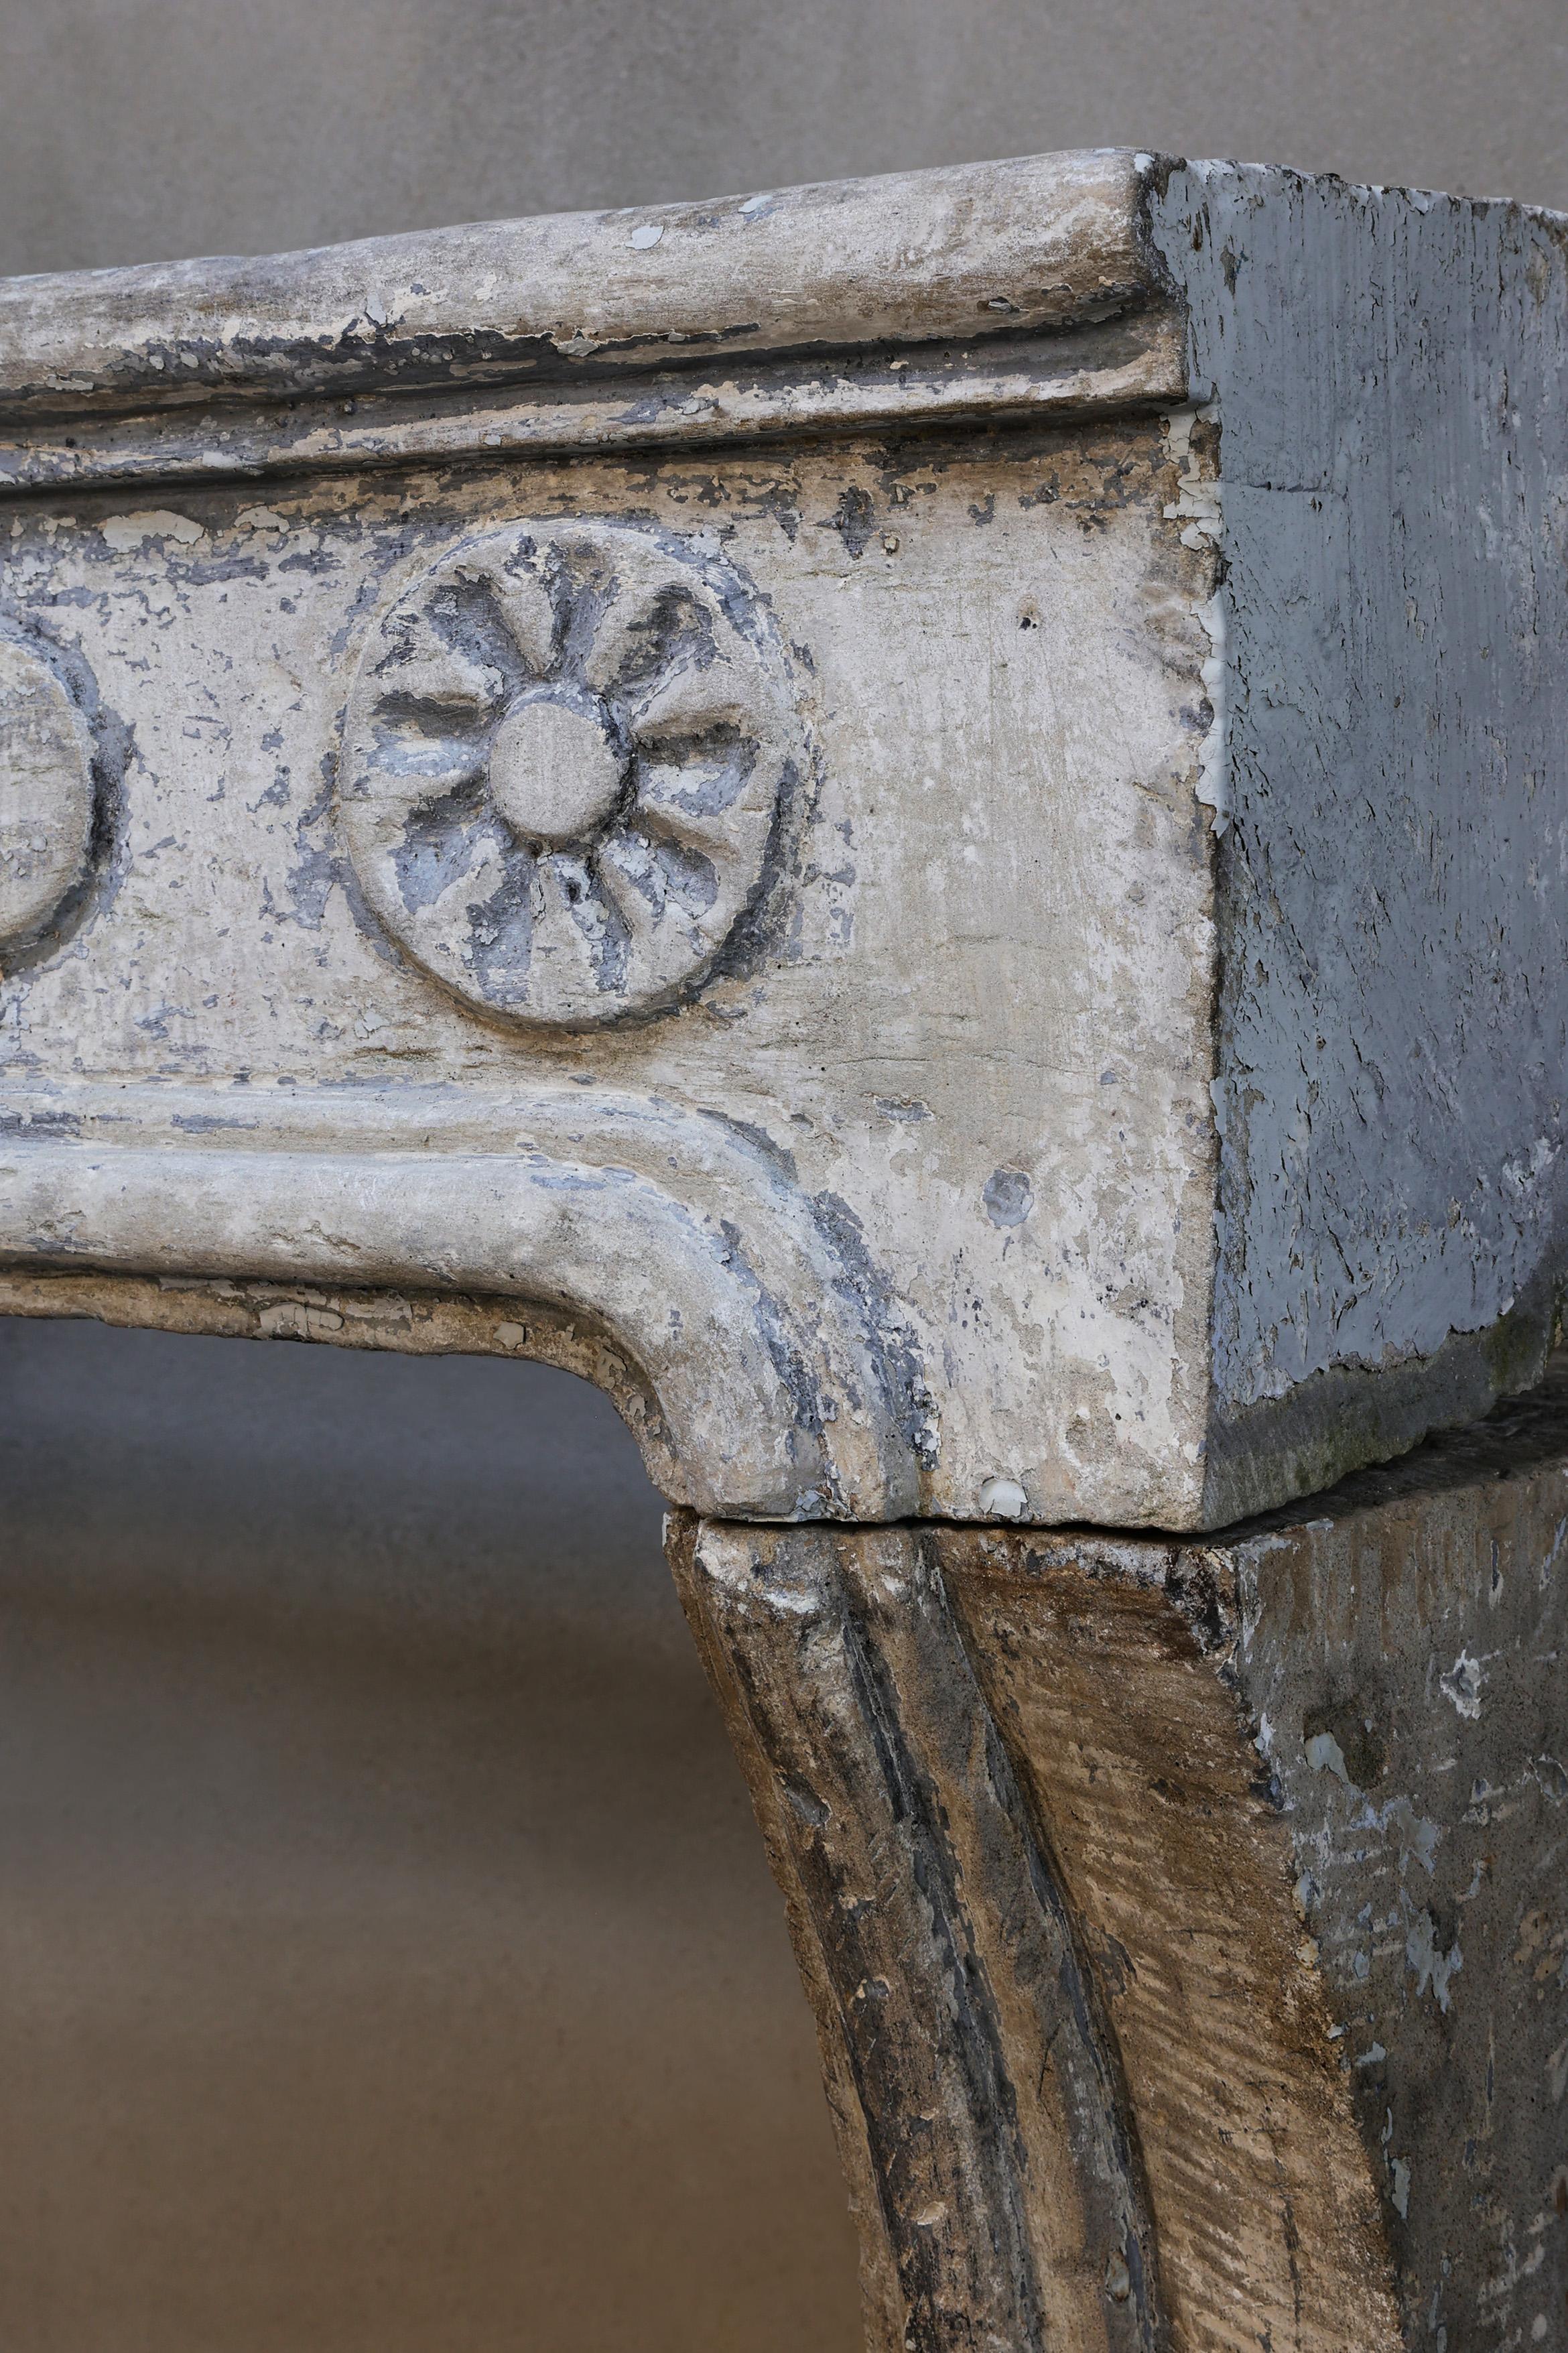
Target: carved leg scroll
[[1141, 1770], [1018, 1823], [980, 2115]]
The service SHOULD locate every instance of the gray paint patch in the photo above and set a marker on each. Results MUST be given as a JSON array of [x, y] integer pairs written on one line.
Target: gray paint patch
[[1009, 1196], [1388, 372]]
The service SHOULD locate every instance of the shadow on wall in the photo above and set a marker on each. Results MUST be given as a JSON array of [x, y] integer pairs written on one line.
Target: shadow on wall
[[388, 1963]]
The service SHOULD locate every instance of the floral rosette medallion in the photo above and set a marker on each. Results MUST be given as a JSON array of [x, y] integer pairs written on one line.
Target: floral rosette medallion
[[566, 747], [47, 798]]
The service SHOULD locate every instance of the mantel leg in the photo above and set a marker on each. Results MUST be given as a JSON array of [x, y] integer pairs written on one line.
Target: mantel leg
[[981, 2118], [990, 1914]]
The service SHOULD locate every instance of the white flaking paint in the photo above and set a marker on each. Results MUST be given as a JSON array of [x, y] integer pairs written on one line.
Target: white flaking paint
[[128, 533], [1198, 507], [1462, 1684]]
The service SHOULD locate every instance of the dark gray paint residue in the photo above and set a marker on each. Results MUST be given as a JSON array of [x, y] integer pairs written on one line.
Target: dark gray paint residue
[[1390, 374], [1008, 1196]]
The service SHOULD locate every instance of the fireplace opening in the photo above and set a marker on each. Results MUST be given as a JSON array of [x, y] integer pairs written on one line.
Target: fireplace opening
[[388, 1961]]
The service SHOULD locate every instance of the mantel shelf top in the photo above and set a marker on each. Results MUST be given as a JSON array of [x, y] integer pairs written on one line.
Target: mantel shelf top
[[971, 253]]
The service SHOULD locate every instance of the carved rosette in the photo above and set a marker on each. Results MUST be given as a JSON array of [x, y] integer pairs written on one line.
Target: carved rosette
[[566, 744], [46, 797]]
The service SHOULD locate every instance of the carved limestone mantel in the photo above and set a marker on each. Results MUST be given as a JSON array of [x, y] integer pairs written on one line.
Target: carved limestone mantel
[[920, 824]]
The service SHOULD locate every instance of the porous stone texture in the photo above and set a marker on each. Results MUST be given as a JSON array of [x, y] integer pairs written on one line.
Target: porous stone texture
[[1400, 1653], [924, 825], [1373, 1686]]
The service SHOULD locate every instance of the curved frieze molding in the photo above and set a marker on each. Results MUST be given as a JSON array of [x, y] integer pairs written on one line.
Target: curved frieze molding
[[776, 1370], [47, 796], [1104, 364], [566, 744]]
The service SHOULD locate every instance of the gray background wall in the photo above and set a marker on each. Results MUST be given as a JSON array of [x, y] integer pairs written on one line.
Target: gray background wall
[[387, 1958], [133, 129]]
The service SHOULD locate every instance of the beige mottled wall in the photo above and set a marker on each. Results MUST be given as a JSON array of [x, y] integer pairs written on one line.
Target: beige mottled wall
[[133, 129]]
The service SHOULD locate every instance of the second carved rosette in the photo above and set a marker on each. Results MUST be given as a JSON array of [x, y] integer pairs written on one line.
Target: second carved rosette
[[567, 747]]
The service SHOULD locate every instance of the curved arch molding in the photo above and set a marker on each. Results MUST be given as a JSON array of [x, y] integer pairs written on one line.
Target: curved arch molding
[[777, 1375]]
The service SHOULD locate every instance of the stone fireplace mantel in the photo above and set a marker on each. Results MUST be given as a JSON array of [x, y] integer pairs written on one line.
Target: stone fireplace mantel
[[920, 824]]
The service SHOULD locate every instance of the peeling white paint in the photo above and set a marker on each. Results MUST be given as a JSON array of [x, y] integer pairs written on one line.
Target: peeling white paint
[[1198, 507], [1053, 680], [1432, 1967], [1053, 1326], [126, 533], [1324, 1755], [1462, 1684]]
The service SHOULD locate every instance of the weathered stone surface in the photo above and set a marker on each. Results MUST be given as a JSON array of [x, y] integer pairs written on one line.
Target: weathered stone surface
[[1309, 1773], [1295, 1796], [1053, 857], [979, 249], [1401, 1652], [1387, 372], [1180, 1872], [951, 623], [46, 798], [565, 754], [981, 2117], [757, 1359]]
